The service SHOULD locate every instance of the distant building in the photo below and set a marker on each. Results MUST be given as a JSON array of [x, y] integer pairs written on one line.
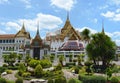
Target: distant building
[[21, 43], [66, 41]]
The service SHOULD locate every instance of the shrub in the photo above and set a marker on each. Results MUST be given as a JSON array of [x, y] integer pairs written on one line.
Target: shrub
[[50, 81], [114, 80], [20, 73], [76, 70], [45, 63], [2, 69], [92, 79], [26, 74], [58, 67], [70, 63], [38, 71], [9, 71], [3, 80], [5, 65], [19, 80], [22, 67], [73, 80], [60, 79], [13, 67], [33, 63]]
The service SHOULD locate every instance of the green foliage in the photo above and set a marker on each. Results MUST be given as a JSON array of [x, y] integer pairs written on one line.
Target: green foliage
[[88, 65], [92, 79], [2, 69], [114, 80], [22, 67], [58, 67], [38, 71], [3, 80], [60, 79], [101, 48], [20, 72], [9, 71], [50, 81], [19, 57], [70, 63], [109, 72], [61, 58], [10, 59], [26, 74], [76, 69], [5, 65], [73, 80], [19, 80], [33, 63], [45, 63]]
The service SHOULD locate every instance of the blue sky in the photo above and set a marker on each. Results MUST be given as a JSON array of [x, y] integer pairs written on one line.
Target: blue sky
[[51, 15]]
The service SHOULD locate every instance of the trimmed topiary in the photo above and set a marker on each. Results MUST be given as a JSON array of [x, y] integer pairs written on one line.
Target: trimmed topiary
[[38, 71], [3, 80], [73, 80], [114, 80], [19, 80], [50, 81], [60, 79]]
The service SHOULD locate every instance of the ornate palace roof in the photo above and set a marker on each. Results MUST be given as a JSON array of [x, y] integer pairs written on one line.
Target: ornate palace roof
[[23, 33], [7, 36], [72, 45]]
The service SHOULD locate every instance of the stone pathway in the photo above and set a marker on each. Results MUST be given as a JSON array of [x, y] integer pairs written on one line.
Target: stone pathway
[[69, 74]]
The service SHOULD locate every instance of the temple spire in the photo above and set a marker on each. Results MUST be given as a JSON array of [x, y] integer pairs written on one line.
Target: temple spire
[[23, 28], [67, 15], [37, 28]]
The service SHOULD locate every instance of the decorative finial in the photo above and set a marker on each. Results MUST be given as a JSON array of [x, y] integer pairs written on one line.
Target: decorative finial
[[67, 15], [38, 28]]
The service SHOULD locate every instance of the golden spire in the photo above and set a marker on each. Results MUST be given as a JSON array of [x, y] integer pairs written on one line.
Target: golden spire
[[67, 15], [37, 33], [23, 28]]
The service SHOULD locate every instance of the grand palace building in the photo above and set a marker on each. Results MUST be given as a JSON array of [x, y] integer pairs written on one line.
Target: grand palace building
[[65, 41]]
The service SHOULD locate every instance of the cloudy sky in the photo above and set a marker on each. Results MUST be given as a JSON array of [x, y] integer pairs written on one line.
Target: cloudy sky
[[51, 15]]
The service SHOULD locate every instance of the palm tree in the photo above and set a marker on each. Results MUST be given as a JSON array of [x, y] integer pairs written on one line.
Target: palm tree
[[86, 35]]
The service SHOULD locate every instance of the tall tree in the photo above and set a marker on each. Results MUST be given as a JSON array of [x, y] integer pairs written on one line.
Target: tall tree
[[101, 48], [86, 35]]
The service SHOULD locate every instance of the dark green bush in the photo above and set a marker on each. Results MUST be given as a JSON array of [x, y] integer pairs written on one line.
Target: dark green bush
[[38, 71], [4, 65], [73, 80], [3, 80], [114, 80], [92, 79], [19, 80], [50, 81], [58, 67], [13, 67], [60, 79], [70, 63], [76, 69], [2, 69]]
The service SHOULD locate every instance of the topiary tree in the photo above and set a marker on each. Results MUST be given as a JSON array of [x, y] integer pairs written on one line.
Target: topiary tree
[[73, 80], [38, 71], [22, 67], [88, 65], [50, 81], [58, 67], [19, 80], [3, 80], [61, 79], [114, 80]]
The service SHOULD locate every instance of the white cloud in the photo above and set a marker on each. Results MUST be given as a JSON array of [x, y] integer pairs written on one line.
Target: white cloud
[[46, 21], [27, 3], [95, 20], [108, 14], [115, 16], [3, 1], [64, 4], [114, 2]]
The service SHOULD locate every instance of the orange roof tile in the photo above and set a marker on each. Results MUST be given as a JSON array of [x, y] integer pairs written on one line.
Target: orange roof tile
[[7, 36]]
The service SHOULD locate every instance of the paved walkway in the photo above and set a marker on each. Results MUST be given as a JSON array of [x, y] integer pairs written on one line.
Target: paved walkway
[[69, 74]]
